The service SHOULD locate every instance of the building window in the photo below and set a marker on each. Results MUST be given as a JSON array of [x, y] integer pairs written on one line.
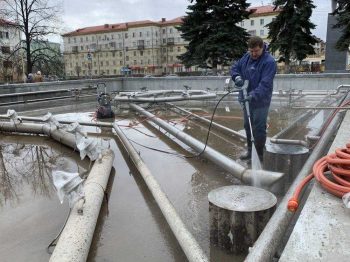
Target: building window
[[133, 43], [134, 53], [133, 34], [107, 72], [134, 62], [242, 23], [68, 40], [120, 54], [147, 33], [262, 21], [121, 62], [156, 33], [120, 45], [164, 41], [149, 52], [251, 22], [107, 63], [141, 62], [127, 58], [75, 40], [141, 53], [170, 30], [126, 48], [171, 49], [115, 71], [261, 32], [179, 49], [126, 35], [140, 34], [81, 47], [81, 39], [101, 63], [252, 32], [164, 31]]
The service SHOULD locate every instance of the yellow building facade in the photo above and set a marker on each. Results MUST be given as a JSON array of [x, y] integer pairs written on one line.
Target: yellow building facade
[[141, 47]]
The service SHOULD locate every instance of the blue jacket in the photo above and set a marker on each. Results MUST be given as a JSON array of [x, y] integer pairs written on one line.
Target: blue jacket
[[260, 74]]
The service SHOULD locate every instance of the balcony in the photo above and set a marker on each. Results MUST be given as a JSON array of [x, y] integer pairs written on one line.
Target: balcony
[[140, 44], [170, 41], [75, 49]]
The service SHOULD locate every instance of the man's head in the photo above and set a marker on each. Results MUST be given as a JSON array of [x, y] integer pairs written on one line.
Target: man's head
[[255, 47]]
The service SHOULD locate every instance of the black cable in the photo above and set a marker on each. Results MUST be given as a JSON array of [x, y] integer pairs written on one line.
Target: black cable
[[210, 125], [53, 244], [206, 141], [156, 149]]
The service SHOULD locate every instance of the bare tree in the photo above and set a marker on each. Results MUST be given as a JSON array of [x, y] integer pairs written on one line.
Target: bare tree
[[36, 19]]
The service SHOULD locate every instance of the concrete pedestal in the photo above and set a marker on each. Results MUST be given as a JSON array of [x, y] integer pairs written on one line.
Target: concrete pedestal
[[238, 214], [287, 159]]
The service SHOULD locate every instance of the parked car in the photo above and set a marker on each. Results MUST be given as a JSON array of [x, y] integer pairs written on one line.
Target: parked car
[[171, 76], [148, 76]]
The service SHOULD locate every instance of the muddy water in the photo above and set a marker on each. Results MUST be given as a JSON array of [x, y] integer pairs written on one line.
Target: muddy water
[[131, 226], [30, 213]]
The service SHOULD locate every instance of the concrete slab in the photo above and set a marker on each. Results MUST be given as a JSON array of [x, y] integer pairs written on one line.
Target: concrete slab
[[322, 232]]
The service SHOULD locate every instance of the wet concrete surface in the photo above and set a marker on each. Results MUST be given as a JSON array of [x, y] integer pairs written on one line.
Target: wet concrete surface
[[131, 227]]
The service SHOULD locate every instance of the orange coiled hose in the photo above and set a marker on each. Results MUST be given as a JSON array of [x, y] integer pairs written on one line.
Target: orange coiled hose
[[338, 184]]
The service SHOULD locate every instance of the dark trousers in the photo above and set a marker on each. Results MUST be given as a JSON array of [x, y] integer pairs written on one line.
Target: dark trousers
[[258, 118]]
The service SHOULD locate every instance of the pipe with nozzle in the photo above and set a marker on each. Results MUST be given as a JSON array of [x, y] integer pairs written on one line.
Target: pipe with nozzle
[[267, 178]]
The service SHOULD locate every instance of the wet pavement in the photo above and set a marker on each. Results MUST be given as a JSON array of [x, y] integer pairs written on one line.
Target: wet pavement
[[131, 227]]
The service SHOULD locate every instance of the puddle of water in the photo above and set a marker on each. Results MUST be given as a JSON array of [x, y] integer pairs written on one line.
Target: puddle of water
[[30, 212], [131, 227]]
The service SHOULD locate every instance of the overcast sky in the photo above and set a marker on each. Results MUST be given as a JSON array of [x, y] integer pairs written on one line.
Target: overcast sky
[[83, 13]]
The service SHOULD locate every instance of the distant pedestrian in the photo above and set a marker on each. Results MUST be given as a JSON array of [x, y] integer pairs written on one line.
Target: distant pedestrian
[[38, 77], [30, 78]]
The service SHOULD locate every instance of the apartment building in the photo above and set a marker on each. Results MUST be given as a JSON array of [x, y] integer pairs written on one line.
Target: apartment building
[[141, 47], [258, 19], [10, 63]]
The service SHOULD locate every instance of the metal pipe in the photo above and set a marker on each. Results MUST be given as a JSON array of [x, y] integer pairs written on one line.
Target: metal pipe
[[161, 92], [164, 99], [221, 127], [337, 90], [83, 123], [289, 142], [61, 136], [266, 245], [75, 240], [186, 240], [267, 178], [321, 107]]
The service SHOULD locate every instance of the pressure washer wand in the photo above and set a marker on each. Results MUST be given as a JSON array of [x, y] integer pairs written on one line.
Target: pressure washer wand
[[246, 106]]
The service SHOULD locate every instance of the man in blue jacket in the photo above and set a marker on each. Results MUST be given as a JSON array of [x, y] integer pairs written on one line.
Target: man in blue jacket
[[259, 68]]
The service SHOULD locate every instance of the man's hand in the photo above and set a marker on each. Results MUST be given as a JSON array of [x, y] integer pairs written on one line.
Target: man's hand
[[239, 82], [247, 99]]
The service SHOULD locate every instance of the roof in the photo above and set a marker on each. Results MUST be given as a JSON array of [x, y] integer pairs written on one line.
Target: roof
[[106, 28], [5, 22], [263, 10]]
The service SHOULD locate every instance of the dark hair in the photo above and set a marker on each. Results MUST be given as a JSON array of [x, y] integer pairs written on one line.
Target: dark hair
[[255, 41]]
